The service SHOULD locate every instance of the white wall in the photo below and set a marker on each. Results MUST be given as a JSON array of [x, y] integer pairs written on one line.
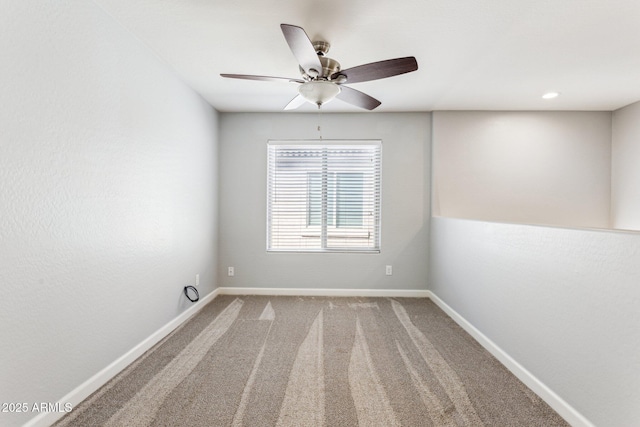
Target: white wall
[[625, 180], [107, 196], [528, 167], [561, 302], [405, 203]]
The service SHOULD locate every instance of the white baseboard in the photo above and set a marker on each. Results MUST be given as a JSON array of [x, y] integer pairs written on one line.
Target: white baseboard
[[408, 293], [85, 389], [565, 410]]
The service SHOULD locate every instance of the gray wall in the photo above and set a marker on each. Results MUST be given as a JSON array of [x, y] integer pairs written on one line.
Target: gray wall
[[405, 203], [107, 197]]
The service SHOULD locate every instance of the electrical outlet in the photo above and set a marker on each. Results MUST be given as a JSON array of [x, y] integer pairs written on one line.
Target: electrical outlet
[[231, 271], [197, 279], [389, 270]]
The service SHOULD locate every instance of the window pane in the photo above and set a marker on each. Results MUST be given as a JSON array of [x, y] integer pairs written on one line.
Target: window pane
[[314, 196], [349, 199]]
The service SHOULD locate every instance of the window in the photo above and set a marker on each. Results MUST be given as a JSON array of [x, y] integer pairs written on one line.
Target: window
[[323, 196]]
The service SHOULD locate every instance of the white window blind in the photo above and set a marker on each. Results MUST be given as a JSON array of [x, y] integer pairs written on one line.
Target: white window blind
[[323, 196]]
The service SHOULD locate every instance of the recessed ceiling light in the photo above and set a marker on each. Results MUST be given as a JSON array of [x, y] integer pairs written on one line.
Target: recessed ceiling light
[[550, 95]]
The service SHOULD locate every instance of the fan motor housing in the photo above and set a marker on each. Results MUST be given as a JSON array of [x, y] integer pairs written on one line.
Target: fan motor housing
[[329, 66]]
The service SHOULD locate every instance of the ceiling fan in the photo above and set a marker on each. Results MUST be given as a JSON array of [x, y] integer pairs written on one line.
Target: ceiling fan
[[323, 80]]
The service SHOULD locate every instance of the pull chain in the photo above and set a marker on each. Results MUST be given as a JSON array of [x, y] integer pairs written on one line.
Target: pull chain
[[320, 120]]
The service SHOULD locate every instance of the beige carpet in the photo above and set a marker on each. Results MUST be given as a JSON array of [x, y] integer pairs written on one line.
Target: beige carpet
[[315, 361]]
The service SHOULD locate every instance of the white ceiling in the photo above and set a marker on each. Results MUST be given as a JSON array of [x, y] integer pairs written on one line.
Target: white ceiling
[[472, 54]]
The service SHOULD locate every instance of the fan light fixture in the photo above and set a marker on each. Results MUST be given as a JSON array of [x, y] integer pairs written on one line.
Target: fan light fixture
[[319, 92]]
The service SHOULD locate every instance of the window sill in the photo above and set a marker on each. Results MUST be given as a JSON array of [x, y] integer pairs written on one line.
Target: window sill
[[323, 251]]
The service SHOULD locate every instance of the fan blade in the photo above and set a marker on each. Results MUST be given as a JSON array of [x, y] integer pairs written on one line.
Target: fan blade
[[295, 103], [261, 78], [378, 70], [357, 98], [302, 49]]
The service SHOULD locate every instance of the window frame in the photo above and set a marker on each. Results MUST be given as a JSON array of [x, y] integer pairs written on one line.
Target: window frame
[[376, 195]]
